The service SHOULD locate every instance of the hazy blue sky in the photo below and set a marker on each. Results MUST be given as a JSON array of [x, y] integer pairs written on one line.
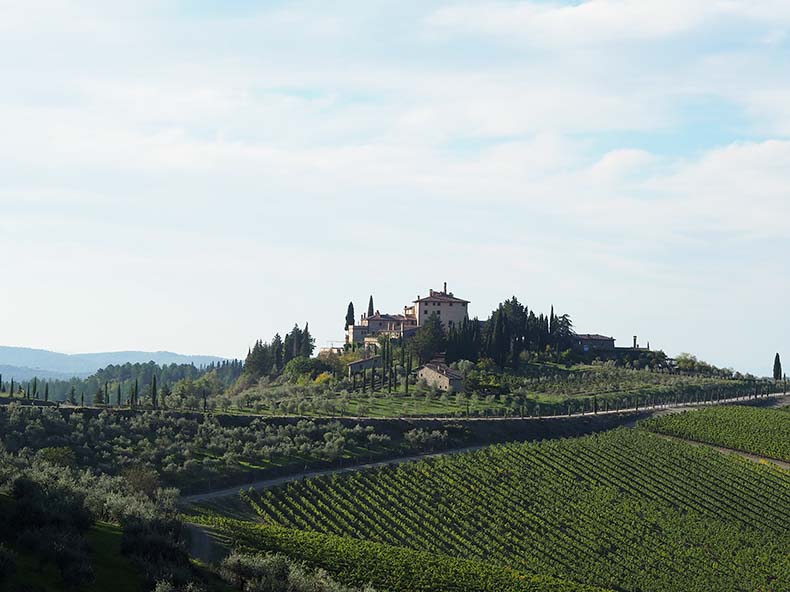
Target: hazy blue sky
[[194, 175]]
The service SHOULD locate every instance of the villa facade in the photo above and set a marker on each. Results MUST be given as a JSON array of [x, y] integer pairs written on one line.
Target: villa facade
[[450, 310]]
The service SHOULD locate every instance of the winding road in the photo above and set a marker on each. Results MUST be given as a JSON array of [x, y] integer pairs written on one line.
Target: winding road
[[274, 481], [779, 399]]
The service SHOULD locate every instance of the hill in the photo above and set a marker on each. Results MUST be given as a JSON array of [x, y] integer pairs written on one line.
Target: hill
[[626, 509], [24, 363], [765, 432], [22, 373]]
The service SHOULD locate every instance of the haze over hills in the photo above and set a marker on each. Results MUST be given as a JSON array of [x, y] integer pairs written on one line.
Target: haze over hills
[[24, 363]]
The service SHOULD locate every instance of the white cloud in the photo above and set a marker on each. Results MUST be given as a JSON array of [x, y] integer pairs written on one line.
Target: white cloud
[[740, 189], [257, 158], [595, 22]]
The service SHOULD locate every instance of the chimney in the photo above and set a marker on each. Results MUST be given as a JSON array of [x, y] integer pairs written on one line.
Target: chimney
[[445, 287], [634, 341]]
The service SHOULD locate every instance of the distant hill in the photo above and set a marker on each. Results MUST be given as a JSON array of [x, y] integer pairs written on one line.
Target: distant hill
[[24, 363], [22, 374]]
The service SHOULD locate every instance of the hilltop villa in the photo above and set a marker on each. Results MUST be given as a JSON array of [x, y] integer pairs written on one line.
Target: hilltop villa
[[448, 308]]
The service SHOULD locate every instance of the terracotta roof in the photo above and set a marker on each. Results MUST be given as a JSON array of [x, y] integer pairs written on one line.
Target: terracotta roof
[[594, 337], [370, 359], [441, 297], [388, 317]]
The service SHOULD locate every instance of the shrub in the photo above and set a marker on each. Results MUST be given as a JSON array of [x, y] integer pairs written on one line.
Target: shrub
[[276, 573], [7, 563]]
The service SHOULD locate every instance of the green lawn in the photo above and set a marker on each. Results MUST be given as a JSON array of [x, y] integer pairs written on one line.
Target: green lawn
[[546, 389], [113, 571]]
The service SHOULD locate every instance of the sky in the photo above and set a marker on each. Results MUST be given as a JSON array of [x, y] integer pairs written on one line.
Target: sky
[[194, 175]]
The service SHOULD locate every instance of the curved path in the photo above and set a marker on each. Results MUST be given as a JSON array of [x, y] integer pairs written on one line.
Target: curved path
[[742, 453], [274, 481], [657, 410]]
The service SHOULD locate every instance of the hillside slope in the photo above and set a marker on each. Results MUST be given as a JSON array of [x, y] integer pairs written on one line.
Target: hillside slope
[[20, 362]]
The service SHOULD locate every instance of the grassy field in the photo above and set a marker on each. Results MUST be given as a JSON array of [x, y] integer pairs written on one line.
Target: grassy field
[[112, 570], [535, 389], [626, 510], [765, 432]]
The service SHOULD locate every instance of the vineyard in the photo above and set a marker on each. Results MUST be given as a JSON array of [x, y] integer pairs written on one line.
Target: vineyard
[[388, 567], [625, 510], [760, 431]]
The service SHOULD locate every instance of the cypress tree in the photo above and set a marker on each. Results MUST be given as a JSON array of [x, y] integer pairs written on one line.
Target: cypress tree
[[12, 387], [307, 345], [35, 388], [371, 312], [72, 396], [82, 399], [46, 392], [118, 396], [277, 347], [777, 368], [408, 372], [349, 315], [136, 392], [153, 391]]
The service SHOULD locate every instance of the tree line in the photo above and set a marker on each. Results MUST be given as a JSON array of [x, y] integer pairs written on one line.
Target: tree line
[[270, 358], [131, 384], [510, 330]]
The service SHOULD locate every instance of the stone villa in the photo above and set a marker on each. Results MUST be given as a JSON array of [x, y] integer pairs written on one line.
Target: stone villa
[[601, 344], [448, 308], [440, 376]]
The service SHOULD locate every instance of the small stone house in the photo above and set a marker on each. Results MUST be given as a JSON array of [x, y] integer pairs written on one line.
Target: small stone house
[[594, 342], [364, 364], [442, 377]]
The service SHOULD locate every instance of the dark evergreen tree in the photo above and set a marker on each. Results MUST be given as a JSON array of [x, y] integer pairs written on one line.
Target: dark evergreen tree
[[258, 362], [429, 339], [118, 396], [308, 343], [165, 392], [277, 351], [153, 391], [777, 367], [46, 392], [349, 315], [371, 311], [292, 345]]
